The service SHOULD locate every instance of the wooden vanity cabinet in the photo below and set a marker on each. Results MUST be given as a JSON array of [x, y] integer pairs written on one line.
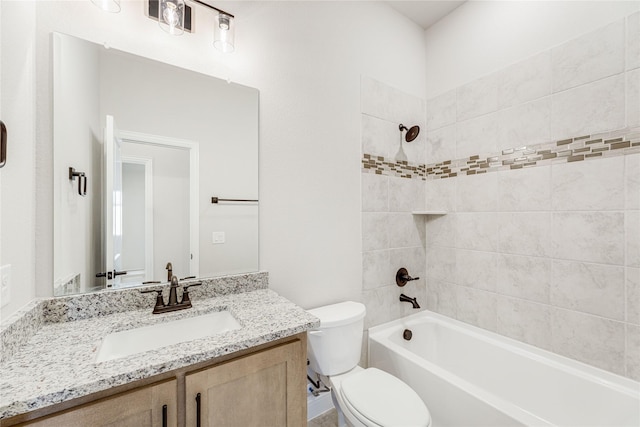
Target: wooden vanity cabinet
[[264, 386], [262, 389], [150, 406]]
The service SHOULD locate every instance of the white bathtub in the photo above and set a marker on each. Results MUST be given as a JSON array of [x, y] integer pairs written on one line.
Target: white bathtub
[[471, 377]]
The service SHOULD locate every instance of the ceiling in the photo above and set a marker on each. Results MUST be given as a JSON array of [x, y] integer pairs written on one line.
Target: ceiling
[[426, 12]]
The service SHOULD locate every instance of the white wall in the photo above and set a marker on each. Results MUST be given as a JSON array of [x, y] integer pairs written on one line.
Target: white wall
[[306, 58], [481, 37], [17, 97]]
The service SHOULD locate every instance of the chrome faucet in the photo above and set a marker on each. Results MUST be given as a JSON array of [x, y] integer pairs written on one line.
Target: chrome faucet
[[413, 301], [172, 304], [169, 268]]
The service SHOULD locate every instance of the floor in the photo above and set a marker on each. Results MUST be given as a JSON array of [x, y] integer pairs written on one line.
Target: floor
[[328, 419]]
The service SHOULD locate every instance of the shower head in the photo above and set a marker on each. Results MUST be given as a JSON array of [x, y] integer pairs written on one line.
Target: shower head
[[412, 133]]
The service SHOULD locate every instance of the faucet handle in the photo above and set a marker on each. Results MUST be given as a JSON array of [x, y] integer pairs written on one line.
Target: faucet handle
[[159, 298], [185, 287], [402, 277], [185, 293]]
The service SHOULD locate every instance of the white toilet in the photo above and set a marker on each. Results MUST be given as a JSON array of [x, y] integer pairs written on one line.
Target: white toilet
[[363, 397]]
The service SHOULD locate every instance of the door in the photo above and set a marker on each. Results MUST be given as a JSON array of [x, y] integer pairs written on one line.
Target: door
[[112, 203], [263, 389], [152, 406]]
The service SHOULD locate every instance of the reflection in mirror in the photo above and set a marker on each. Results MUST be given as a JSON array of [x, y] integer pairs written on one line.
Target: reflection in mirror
[[181, 139]]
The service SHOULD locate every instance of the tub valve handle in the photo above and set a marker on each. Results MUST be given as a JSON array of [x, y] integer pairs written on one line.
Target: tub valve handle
[[402, 277]]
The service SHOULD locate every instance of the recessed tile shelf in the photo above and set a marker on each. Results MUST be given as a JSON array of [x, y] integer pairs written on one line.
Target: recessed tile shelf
[[429, 212]]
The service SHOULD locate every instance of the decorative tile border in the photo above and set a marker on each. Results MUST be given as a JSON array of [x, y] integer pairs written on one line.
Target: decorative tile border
[[402, 169], [586, 147]]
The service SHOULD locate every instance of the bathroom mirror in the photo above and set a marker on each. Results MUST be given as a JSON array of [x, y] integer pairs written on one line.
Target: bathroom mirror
[[141, 148]]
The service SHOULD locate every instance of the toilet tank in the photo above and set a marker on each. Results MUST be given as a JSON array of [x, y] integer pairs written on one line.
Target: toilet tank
[[334, 347]]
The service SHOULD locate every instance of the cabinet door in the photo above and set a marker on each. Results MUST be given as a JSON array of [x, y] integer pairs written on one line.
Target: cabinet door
[[143, 407], [263, 389]]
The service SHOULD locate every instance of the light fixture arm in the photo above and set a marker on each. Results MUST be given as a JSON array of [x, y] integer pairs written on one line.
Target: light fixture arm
[[212, 7]]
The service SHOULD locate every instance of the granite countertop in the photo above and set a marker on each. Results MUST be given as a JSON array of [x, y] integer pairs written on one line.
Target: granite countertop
[[57, 362]]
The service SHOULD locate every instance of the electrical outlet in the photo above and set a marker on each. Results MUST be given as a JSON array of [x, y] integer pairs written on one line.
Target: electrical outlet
[[5, 285], [218, 237]]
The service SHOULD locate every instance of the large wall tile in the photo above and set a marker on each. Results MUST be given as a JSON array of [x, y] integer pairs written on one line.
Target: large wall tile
[[441, 297], [595, 107], [441, 110], [380, 100], [477, 269], [477, 307], [478, 231], [633, 295], [441, 144], [477, 193], [595, 55], [375, 269], [375, 192], [382, 305], [441, 230], [633, 352], [632, 181], [406, 230], [525, 233], [591, 185], [632, 233], [525, 81], [524, 321], [633, 98], [524, 189], [478, 97], [477, 136], [375, 231], [441, 264], [525, 124], [590, 288], [590, 339], [588, 236], [379, 137], [633, 41], [441, 194], [406, 195], [524, 277]]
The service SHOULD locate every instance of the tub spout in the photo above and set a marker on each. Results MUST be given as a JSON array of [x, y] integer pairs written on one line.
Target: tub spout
[[413, 301]]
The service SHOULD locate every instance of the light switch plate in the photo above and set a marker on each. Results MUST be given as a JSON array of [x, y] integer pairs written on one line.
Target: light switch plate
[[5, 285], [218, 237]]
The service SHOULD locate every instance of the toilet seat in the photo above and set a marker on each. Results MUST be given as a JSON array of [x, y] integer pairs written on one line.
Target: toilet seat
[[379, 399]]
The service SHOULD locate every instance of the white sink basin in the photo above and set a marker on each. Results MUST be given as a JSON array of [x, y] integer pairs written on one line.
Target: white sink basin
[[133, 341]]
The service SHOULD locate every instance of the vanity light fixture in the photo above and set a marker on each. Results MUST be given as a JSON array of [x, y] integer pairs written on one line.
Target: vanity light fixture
[[175, 17], [112, 6]]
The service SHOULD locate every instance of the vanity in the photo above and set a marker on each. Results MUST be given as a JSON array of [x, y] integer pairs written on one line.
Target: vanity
[[248, 373]]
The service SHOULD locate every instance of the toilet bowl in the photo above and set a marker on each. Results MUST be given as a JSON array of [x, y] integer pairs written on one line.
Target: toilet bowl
[[363, 397]]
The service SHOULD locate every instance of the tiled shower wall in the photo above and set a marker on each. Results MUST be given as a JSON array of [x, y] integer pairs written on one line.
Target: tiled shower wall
[[542, 239], [392, 237]]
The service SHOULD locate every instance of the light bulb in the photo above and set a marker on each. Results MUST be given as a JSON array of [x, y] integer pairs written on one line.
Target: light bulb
[[223, 33], [171, 16]]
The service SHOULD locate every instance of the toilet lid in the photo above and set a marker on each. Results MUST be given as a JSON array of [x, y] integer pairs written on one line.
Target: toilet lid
[[384, 399]]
